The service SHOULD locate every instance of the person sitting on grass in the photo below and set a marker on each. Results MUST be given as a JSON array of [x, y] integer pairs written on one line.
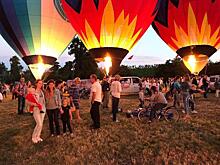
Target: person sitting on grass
[[66, 116], [157, 102]]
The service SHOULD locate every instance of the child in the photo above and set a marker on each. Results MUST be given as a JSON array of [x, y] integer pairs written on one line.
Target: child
[[30, 97], [66, 116]]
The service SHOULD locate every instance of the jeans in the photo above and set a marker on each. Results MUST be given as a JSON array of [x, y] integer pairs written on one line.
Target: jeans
[[94, 111], [206, 91], [53, 118], [39, 119], [105, 99], [21, 104], [155, 108], [176, 97], [115, 102], [186, 101]]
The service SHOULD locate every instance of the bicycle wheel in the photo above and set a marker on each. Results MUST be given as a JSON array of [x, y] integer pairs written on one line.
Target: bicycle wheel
[[142, 115], [171, 114]]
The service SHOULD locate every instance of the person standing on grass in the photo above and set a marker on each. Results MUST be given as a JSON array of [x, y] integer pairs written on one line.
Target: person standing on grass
[[217, 87], [96, 98], [105, 91], [185, 90], [53, 106], [205, 85], [75, 97], [37, 113], [115, 92], [66, 116], [20, 91]]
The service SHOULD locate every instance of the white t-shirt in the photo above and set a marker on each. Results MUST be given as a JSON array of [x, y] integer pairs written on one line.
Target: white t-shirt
[[97, 89], [116, 89]]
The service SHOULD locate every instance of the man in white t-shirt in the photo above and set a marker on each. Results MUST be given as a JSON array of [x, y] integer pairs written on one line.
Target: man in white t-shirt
[[96, 98], [116, 93]]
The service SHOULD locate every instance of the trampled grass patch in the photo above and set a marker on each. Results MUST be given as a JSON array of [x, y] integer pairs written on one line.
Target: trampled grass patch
[[127, 142]]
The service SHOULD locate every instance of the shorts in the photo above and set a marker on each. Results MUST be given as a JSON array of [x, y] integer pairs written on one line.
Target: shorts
[[76, 104]]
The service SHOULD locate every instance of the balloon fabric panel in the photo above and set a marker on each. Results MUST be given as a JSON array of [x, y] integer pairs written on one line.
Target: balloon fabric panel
[[34, 27], [110, 23], [190, 22]]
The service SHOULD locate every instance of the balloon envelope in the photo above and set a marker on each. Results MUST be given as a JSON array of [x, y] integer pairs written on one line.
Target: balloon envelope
[[191, 28], [110, 26], [37, 30]]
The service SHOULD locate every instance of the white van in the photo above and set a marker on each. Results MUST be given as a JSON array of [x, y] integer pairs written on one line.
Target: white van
[[130, 85], [212, 82]]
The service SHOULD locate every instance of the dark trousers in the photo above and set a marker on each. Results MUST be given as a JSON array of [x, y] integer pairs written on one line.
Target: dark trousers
[[21, 104], [53, 118], [66, 122], [205, 88], [94, 111], [115, 102], [155, 108]]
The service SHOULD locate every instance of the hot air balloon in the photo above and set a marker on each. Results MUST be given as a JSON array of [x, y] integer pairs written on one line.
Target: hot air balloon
[[191, 28], [110, 27], [37, 30]]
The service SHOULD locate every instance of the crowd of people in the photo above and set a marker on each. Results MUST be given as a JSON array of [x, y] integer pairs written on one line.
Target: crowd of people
[[177, 88], [59, 100]]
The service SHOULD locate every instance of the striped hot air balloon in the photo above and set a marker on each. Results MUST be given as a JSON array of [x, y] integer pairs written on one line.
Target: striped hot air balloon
[[37, 30], [191, 28], [110, 27]]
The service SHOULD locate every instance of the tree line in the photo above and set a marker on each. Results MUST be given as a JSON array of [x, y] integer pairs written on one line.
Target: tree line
[[84, 65]]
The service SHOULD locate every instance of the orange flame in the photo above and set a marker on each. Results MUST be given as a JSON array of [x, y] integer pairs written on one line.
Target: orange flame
[[107, 64], [39, 68]]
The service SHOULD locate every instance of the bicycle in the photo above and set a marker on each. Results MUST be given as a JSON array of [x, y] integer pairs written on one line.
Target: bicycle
[[169, 113]]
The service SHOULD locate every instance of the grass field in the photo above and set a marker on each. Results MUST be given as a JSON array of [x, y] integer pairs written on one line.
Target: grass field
[[127, 142]]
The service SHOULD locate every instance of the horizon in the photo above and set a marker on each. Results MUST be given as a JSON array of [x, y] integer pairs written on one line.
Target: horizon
[[142, 54]]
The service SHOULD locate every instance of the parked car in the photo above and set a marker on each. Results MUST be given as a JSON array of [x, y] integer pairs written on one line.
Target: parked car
[[212, 82], [130, 85]]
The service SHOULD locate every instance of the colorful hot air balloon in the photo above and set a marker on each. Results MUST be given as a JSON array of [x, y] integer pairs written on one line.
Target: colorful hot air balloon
[[110, 26], [37, 30], [191, 28]]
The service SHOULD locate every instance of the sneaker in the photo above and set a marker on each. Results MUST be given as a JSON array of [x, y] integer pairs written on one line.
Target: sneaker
[[71, 135], [52, 135], [194, 112], [183, 111], [64, 134], [117, 121]]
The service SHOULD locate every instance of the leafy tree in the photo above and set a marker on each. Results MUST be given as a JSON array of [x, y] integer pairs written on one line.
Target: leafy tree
[[83, 64], [16, 69], [3, 73]]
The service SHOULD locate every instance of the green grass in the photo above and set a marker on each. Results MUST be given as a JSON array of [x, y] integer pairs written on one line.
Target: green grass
[[127, 142]]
